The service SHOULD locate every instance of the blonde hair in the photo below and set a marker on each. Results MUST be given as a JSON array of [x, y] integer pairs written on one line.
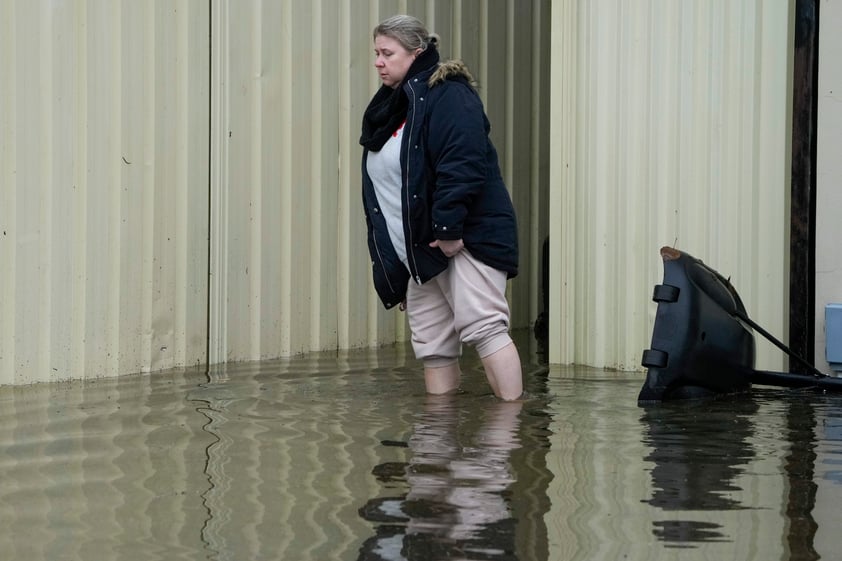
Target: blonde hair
[[406, 30]]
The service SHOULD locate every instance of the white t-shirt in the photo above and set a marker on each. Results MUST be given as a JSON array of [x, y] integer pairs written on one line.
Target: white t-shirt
[[384, 169]]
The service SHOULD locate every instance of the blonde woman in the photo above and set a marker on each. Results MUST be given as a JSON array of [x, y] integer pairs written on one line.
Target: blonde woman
[[442, 232]]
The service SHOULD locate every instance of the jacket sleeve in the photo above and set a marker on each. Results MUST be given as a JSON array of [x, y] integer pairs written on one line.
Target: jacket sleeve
[[457, 140]]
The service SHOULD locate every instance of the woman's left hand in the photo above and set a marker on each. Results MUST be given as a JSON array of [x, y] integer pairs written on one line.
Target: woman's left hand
[[448, 247]]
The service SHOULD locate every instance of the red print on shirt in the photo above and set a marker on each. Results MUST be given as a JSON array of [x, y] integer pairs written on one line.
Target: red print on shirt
[[395, 134]]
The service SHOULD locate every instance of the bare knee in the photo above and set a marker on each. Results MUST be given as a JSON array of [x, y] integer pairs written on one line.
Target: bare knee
[[442, 379]]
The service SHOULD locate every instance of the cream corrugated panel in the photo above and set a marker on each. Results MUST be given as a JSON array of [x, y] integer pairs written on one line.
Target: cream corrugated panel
[[828, 175], [275, 273], [674, 127], [828, 256], [290, 271], [104, 166], [108, 151]]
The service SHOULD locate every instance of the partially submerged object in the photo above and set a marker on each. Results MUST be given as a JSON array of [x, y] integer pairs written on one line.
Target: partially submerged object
[[703, 340]]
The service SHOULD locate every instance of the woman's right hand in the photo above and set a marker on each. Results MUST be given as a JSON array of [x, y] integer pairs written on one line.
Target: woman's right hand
[[448, 247]]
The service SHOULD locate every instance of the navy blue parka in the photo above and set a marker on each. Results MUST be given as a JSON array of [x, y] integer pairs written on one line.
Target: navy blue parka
[[451, 187]]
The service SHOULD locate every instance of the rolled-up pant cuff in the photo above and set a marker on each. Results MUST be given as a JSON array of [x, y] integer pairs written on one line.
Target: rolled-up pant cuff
[[494, 344], [439, 361]]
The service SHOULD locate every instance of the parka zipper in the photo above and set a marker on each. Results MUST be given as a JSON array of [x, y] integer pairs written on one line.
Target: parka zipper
[[410, 244], [380, 257]]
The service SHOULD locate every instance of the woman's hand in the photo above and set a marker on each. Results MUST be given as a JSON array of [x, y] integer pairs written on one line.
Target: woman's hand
[[448, 247]]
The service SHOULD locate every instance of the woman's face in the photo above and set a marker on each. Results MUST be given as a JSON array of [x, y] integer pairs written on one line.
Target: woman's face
[[392, 60]]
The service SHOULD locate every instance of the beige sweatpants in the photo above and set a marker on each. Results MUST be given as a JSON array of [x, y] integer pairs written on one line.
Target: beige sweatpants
[[466, 303]]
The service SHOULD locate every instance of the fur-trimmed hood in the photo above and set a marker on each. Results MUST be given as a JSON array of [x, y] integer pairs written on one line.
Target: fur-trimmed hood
[[451, 69]]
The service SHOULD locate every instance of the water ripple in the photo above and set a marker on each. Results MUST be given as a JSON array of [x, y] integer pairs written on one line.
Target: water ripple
[[342, 456]]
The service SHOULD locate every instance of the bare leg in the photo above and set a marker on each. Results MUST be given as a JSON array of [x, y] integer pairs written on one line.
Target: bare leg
[[442, 379], [502, 368]]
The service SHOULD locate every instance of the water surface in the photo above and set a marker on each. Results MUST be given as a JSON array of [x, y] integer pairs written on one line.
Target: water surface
[[342, 456]]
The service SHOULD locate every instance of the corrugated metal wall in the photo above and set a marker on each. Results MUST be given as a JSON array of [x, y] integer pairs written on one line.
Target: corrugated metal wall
[[290, 271], [671, 126], [828, 176], [180, 179], [104, 169]]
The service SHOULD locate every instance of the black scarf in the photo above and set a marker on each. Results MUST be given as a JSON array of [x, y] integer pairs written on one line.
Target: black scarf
[[387, 109]]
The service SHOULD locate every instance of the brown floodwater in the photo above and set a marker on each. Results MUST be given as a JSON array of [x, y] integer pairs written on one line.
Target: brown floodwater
[[342, 456]]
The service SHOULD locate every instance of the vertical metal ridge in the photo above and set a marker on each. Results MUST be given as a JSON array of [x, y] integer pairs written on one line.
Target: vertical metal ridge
[[147, 276], [458, 22], [8, 194], [535, 206], [564, 175], [218, 200], [768, 292], [46, 189], [114, 173], [102, 154], [509, 149], [132, 170], [316, 192], [256, 179], [429, 16], [343, 241], [286, 177], [79, 309], [196, 173], [665, 118], [483, 50], [182, 219], [374, 314], [633, 214], [164, 172]]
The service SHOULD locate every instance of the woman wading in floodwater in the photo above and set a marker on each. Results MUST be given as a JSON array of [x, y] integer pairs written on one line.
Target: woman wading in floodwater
[[441, 226]]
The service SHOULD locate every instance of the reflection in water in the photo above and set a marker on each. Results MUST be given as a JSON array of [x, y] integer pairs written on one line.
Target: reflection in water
[[457, 475], [212, 399], [800, 466], [699, 450], [340, 456]]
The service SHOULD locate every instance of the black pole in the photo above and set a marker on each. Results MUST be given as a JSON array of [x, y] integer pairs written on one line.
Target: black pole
[[802, 278]]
